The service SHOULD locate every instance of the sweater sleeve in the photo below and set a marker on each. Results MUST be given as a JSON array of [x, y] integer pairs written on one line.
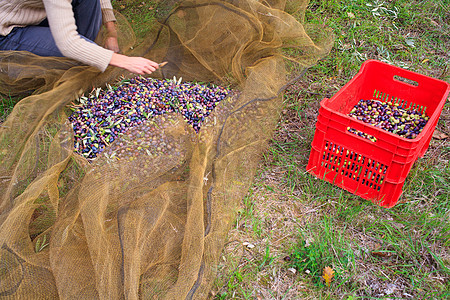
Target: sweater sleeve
[[63, 28], [107, 11]]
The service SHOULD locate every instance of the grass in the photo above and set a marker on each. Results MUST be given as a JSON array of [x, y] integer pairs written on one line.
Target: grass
[[141, 14], [290, 225], [6, 106], [308, 224]]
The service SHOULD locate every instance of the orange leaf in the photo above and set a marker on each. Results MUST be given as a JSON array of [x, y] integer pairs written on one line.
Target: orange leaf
[[328, 274]]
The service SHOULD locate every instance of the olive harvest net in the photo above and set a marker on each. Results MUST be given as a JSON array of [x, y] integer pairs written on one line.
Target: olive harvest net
[[150, 227]]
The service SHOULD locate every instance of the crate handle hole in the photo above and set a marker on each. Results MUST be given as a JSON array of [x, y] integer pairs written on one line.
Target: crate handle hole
[[361, 135], [406, 80]]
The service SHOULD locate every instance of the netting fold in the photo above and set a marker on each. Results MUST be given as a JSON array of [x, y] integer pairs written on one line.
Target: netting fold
[[133, 224]]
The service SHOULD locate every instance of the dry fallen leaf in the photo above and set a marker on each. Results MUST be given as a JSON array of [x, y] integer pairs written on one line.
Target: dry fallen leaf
[[439, 135], [351, 15], [308, 242], [248, 245], [328, 274], [381, 254]]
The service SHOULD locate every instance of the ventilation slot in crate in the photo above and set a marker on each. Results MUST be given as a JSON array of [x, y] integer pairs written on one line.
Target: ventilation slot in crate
[[384, 97], [338, 159]]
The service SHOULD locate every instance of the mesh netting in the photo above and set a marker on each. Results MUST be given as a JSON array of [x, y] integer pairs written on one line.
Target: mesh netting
[[153, 226]]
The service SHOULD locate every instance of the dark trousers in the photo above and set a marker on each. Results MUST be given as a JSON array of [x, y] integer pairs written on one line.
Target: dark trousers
[[38, 38]]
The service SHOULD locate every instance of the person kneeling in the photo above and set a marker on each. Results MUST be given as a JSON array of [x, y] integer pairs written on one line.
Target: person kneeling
[[66, 28]]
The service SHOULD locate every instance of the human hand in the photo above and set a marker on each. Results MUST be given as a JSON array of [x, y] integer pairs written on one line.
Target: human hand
[[111, 43], [137, 65]]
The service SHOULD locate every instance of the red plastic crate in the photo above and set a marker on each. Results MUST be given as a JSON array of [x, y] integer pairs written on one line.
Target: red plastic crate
[[375, 171]]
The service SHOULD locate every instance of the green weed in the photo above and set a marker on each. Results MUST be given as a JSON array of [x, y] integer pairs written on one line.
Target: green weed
[[322, 245], [6, 106], [41, 244]]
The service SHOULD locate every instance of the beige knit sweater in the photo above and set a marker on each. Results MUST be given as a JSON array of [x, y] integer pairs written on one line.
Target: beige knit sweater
[[20, 13]]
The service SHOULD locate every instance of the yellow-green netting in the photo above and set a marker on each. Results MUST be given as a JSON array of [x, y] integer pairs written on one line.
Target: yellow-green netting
[[151, 227]]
